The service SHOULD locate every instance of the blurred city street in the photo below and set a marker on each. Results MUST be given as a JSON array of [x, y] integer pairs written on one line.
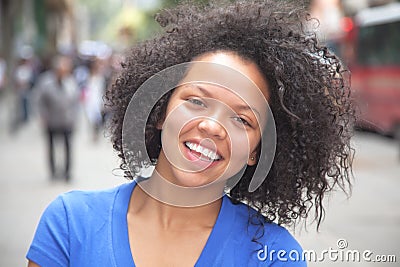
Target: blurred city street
[[92, 35], [25, 186], [369, 220]]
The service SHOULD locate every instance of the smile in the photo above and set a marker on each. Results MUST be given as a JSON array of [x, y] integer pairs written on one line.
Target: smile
[[205, 153]]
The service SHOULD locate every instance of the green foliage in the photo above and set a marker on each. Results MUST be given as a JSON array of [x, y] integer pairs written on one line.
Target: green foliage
[[100, 12], [172, 3]]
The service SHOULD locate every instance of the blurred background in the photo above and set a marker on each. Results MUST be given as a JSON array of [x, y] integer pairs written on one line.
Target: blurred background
[[94, 33]]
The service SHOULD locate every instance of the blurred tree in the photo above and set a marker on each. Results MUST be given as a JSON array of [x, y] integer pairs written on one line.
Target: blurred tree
[[50, 17], [171, 3], [98, 14], [119, 23], [127, 26], [9, 13]]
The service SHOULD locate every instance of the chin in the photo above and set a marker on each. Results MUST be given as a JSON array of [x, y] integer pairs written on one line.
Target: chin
[[193, 179]]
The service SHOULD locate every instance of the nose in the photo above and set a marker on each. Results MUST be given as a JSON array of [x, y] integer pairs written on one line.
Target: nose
[[212, 128]]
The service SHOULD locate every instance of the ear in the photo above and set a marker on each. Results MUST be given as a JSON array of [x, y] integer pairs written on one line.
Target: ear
[[252, 159]]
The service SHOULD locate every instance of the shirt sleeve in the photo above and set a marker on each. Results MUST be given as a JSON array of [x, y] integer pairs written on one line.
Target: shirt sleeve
[[50, 245]]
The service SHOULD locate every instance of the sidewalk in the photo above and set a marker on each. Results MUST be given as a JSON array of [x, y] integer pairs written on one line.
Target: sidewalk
[[25, 187], [369, 220]]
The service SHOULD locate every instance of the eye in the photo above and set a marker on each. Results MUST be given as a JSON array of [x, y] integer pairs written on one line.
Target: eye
[[242, 121], [196, 101]]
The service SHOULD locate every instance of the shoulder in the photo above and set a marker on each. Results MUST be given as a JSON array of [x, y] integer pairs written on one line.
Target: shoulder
[[82, 207], [87, 201], [279, 245], [72, 224], [269, 243]]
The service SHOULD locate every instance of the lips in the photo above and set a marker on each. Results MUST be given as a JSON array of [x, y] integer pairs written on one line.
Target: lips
[[202, 152]]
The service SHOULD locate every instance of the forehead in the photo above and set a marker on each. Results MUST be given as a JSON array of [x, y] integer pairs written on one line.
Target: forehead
[[233, 70], [229, 71]]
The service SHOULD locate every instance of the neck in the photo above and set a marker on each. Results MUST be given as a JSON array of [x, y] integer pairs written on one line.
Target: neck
[[172, 217]]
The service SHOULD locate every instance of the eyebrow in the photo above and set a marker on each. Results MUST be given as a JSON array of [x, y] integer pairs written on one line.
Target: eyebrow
[[239, 107]]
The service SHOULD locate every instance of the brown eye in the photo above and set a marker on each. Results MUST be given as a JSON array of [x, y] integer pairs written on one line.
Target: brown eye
[[196, 101], [242, 121]]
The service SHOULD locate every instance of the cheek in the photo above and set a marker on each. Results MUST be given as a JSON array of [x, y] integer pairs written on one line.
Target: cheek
[[243, 144], [239, 145], [178, 120], [254, 141]]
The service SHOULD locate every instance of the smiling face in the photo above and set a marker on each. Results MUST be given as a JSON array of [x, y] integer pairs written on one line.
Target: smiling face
[[213, 121]]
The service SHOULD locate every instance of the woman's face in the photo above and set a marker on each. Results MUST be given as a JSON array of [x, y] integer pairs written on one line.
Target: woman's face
[[213, 121]]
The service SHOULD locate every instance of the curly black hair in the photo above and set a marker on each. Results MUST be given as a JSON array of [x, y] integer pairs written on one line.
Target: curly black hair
[[309, 97]]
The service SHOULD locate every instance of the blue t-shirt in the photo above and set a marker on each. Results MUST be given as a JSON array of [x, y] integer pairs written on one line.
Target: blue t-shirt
[[89, 228]]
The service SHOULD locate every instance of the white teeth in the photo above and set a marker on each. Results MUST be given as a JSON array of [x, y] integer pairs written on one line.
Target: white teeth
[[198, 148], [204, 151], [190, 145], [212, 155]]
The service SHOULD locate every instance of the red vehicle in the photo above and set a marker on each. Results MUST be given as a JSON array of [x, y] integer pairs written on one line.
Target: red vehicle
[[372, 48]]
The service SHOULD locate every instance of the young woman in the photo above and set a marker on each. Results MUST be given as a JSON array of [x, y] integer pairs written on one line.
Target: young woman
[[246, 119]]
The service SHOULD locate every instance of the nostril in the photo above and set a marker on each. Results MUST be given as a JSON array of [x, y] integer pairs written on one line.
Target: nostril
[[212, 127]]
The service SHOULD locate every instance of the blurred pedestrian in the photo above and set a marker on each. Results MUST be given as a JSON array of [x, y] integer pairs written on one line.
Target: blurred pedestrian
[[23, 83], [2, 74], [58, 105], [94, 91]]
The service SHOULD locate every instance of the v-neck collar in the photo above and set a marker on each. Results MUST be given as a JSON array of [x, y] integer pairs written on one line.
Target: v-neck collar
[[119, 227], [120, 236], [218, 236]]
